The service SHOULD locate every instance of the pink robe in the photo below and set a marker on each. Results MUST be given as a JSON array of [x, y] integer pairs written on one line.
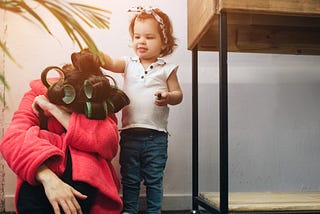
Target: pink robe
[[93, 144]]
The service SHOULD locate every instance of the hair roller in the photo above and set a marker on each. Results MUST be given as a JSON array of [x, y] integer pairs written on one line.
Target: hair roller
[[87, 89], [88, 110], [86, 62], [118, 99], [69, 94], [96, 88], [96, 111], [84, 89], [44, 75]]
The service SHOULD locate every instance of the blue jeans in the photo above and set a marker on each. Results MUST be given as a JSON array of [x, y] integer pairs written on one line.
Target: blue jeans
[[143, 157]]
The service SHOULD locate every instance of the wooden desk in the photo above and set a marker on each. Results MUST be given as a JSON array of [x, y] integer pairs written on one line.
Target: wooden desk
[[251, 26], [256, 26]]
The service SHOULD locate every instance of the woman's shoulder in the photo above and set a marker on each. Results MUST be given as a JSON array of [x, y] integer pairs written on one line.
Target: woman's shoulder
[[38, 87]]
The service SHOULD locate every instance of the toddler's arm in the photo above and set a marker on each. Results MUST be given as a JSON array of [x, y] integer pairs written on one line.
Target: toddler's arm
[[113, 64], [174, 94]]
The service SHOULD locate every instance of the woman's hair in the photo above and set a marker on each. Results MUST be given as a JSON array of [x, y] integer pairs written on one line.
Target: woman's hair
[[83, 88], [166, 30]]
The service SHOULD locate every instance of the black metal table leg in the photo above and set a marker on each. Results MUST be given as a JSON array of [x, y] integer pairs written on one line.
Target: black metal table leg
[[195, 155], [223, 113]]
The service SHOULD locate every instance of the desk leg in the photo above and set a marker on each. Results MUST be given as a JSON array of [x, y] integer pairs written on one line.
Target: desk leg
[[223, 113], [195, 155]]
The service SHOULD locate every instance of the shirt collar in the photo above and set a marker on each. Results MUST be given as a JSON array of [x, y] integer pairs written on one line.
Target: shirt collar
[[160, 61]]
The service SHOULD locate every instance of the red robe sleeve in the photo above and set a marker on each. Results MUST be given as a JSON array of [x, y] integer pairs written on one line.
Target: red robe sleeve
[[93, 136], [24, 146]]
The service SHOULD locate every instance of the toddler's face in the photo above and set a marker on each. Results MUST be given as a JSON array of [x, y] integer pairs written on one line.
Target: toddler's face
[[147, 42]]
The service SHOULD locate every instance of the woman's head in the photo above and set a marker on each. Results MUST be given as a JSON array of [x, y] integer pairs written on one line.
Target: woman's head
[[158, 23], [83, 88]]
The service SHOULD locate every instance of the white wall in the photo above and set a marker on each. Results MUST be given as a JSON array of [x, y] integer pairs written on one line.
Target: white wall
[[274, 105]]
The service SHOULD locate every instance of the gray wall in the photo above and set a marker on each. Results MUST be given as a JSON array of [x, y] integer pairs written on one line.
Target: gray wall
[[273, 137], [274, 122]]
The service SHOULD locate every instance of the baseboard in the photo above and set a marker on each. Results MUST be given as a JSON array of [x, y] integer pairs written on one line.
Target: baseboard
[[9, 203], [171, 202]]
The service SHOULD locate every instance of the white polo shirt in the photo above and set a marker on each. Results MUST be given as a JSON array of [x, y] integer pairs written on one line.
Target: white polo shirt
[[140, 85]]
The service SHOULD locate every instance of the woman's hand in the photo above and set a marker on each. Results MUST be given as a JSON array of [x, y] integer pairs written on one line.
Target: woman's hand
[[59, 112], [42, 103], [59, 193]]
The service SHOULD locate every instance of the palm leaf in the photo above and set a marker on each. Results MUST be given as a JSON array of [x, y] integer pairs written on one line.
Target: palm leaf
[[73, 28], [6, 51], [10, 5], [98, 19], [31, 12], [3, 81], [66, 13]]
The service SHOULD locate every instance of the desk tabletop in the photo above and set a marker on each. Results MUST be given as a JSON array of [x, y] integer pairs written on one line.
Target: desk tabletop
[[296, 7], [259, 26]]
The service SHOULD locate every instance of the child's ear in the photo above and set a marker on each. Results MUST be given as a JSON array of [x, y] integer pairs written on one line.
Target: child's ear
[[163, 47]]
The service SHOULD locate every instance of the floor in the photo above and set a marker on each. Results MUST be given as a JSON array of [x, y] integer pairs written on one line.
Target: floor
[[181, 212], [172, 212], [164, 212]]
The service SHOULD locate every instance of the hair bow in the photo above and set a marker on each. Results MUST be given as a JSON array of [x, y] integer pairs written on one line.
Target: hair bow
[[151, 11]]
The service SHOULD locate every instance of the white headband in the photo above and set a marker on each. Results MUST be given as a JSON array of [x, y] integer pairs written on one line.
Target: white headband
[[139, 10]]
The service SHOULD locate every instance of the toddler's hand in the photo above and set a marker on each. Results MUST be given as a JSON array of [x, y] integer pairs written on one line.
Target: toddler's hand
[[161, 98]]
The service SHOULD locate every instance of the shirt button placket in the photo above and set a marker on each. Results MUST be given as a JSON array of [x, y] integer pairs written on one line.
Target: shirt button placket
[[145, 73]]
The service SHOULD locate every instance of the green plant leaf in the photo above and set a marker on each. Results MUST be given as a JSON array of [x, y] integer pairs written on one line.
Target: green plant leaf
[[10, 5], [30, 11], [6, 51], [3, 81], [66, 14], [5, 84]]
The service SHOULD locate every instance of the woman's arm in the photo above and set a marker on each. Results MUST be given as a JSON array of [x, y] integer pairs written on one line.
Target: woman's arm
[[24, 146], [94, 136], [58, 112]]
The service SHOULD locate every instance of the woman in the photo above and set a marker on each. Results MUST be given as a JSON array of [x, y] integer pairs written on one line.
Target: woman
[[66, 167]]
